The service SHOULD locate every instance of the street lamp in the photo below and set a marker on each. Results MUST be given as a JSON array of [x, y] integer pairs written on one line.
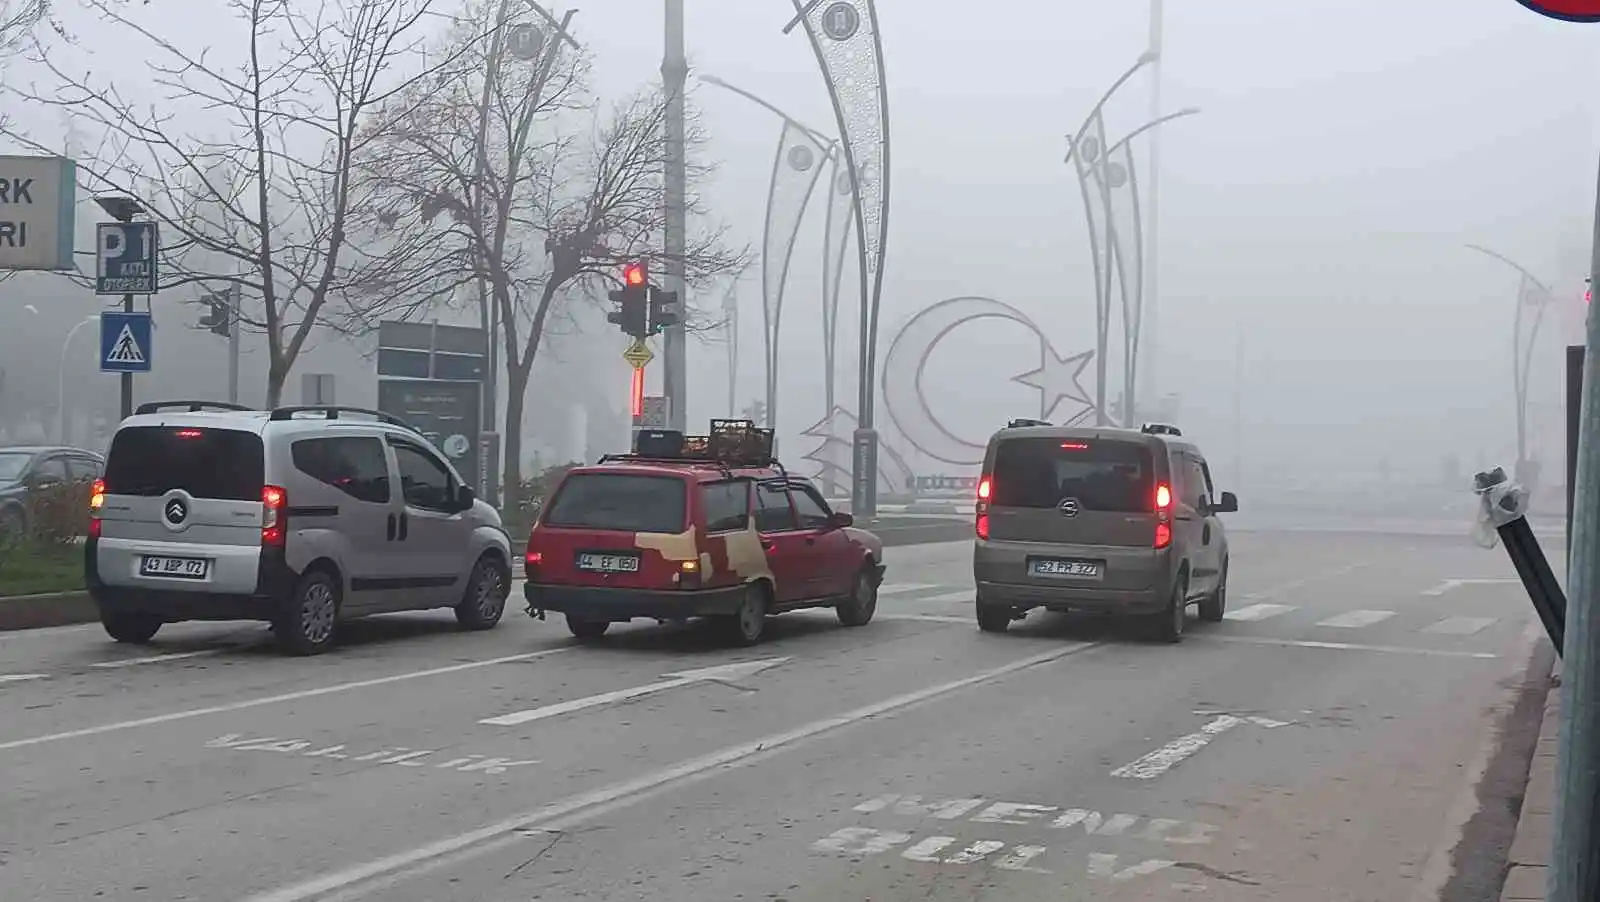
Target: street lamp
[[61, 380], [1522, 349]]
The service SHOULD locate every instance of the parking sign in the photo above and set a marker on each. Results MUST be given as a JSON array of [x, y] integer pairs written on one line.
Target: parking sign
[[125, 258]]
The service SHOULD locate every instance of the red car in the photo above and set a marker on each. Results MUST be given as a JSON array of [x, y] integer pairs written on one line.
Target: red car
[[697, 527]]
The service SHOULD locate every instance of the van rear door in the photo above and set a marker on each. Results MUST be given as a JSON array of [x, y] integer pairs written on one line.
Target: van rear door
[[1073, 491], [609, 528], [211, 478]]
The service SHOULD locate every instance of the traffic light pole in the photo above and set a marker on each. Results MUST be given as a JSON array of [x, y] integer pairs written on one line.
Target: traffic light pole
[[674, 72], [233, 344]]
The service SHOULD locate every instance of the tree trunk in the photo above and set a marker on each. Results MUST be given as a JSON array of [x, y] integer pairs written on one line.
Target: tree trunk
[[516, 395]]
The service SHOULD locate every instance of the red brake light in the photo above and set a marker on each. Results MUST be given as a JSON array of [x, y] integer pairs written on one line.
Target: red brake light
[[981, 525], [189, 433], [531, 560], [1163, 535], [97, 496], [1163, 497], [1075, 446], [984, 488], [274, 516]]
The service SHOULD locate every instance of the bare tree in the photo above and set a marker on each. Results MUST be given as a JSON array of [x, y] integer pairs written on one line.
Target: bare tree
[[569, 191], [266, 206]]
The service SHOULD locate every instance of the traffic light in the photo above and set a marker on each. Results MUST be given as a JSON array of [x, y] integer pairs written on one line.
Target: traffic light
[[663, 310], [631, 300], [220, 319]]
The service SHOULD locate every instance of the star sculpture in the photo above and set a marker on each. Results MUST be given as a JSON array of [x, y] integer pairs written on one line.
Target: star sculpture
[[1057, 379]]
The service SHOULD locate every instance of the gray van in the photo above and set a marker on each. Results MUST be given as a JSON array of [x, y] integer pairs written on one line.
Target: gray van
[[302, 517], [1102, 520]]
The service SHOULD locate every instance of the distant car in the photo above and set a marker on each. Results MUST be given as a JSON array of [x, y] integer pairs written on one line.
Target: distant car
[[26, 471], [303, 517], [1106, 520], [669, 534]]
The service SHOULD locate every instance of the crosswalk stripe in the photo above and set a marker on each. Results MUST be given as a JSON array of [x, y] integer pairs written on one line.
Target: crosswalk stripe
[[1460, 626], [903, 588], [1356, 619], [20, 677], [959, 595], [1258, 612]]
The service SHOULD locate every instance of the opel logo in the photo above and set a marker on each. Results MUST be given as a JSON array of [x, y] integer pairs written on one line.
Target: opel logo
[[176, 511], [1069, 507]]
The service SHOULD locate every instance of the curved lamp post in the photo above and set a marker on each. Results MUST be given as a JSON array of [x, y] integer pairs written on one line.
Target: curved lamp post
[[61, 379], [1539, 297], [1094, 157]]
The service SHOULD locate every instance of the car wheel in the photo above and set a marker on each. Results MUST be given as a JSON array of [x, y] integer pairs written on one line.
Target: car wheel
[[993, 618], [1213, 606], [587, 629], [747, 625], [309, 625], [1168, 624], [134, 629], [857, 610], [485, 600]]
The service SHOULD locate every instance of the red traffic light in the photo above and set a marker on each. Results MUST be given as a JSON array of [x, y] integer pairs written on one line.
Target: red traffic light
[[633, 275]]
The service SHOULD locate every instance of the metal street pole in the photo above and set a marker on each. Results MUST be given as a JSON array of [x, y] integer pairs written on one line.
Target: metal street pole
[[1575, 865], [61, 380], [235, 295], [674, 72], [1153, 233], [730, 310]]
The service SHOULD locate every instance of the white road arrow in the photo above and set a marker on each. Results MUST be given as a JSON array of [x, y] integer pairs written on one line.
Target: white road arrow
[[1178, 750], [726, 673]]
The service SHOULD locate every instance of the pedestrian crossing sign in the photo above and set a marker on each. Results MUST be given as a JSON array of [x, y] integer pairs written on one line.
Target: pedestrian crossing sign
[[125, 343]]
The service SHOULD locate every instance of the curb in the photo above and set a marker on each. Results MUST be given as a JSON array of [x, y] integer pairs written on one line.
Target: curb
[[1528, 863], [28, 612]]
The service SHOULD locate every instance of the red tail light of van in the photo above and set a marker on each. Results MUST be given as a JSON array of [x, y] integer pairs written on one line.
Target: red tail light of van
[[981, 523], [1163, 516], [97, 500], [274, 516]]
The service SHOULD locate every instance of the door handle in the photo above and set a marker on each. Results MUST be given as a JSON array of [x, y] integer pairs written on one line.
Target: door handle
[[768, 545], [391, 527], [405, 521]]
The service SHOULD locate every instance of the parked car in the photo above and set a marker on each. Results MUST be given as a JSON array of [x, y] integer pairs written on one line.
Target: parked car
[[30, 475]]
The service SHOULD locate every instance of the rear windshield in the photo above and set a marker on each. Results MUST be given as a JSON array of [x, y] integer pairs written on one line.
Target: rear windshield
[[1107, 476], [618, 501], [223, 464]]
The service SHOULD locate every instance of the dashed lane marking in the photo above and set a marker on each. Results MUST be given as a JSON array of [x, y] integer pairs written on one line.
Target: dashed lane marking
[[1258, 612], [1449, 584], [1347, 646], [1352, 620], [21, 677], [160, 659], [1461, 626], [906, 588]]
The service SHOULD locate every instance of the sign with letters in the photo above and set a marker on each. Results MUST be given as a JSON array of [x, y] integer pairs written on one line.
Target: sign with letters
[[38, 196], [125, 258]]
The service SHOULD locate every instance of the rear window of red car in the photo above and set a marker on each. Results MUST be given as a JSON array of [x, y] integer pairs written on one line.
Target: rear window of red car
[[621, 502]]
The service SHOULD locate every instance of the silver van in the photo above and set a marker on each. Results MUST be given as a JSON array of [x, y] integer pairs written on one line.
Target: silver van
[[1103, 520], [302, 517]]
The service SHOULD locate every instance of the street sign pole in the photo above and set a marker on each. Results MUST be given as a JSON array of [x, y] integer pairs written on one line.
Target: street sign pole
[[127, 378], [233, 344]]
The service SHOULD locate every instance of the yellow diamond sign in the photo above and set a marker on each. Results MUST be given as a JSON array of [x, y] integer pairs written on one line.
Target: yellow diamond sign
[[638, 354]]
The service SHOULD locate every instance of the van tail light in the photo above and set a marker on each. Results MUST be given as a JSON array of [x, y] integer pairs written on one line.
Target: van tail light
[[980, 524], [274, 516], [1163, 515], [97, 500], [985, 488]]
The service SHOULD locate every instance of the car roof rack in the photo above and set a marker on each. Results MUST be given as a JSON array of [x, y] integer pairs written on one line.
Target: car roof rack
[[728, 444], [190, 406], [1024, 422], [1161, 429], [334, 411]]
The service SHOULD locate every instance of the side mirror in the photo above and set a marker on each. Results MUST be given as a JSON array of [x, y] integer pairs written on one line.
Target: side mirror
[[465, 496], [1227, 504], [841, 520]]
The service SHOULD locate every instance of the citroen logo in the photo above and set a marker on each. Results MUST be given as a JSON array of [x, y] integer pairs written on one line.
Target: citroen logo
[[1069, 507], [176, 511]]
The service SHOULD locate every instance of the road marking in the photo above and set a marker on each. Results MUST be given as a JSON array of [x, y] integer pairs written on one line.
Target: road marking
[[1351, 620], [929, 618], [400, 755], [21, 677], [575, 809], [157, 659], [962, 595], [1304, 581], [1258, 612], [903, 588], [726, 673], [1461, 626], [1157, 829], [275, 699], [1163, 759], [862, 842], [1348, 646], [1449, 584]]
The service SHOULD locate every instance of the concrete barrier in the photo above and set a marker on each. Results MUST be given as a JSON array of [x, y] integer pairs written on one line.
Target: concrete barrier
[[27, 612]]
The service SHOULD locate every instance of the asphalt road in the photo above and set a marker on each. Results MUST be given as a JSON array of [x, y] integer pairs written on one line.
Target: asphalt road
[[1323, 743]]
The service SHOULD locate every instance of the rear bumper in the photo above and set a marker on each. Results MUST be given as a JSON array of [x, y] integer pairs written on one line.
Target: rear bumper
[[273, 587], [1091, 599], [1135, 580], [616, 605]]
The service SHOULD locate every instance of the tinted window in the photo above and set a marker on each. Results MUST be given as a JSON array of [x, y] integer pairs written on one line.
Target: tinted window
[[12, 464], [773, 513], [813, 513], [727, 505], [355, 466], [51, 469], [1195, 492], [1103, 475], [84, 467], [223, 464], [424, 481], [624, 502]]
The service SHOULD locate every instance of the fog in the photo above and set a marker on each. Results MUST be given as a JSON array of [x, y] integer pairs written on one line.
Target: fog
[[1321, 320]]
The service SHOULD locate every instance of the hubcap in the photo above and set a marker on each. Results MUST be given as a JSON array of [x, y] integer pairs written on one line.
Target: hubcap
[[490, 597], [751, 616], [866, 595], [316, 613]]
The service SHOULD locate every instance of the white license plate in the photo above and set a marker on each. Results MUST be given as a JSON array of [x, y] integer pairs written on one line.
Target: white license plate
[[175, 567], [609, 563], [1089, 569]]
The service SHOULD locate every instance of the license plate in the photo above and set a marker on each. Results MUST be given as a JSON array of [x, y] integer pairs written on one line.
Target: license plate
[[174, 567], [609, 563], [1049, 567]]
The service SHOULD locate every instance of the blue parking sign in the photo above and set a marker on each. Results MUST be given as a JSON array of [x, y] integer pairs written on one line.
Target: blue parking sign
[[125, 343], [125, 258]]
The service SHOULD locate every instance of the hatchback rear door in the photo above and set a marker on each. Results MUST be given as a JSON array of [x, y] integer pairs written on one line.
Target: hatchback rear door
[[609, 527], [189, 484]]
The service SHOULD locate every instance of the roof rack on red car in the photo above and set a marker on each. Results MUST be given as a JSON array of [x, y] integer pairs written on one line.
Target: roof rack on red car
[[729, 443]]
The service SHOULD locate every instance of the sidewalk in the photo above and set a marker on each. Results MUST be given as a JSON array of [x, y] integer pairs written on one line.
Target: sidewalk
[[1530, 851]]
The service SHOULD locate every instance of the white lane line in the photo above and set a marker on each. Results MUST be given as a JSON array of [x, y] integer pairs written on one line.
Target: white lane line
[[1449, 584], [567, 812], [275, 699], [1258, 612], [157, 659], [21, 677], [726, 673], [1346, 646], [903, 588], [929, 618], [1461, 626], [1158, 762], [1280, 588], [962, 595], [1353, 620]]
